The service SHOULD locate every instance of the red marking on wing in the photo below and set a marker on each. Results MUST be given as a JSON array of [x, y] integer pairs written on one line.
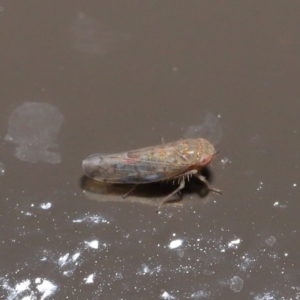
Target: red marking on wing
[[129, 160]]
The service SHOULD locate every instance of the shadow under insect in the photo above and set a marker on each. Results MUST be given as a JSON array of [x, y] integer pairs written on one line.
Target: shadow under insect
[[150, 193]]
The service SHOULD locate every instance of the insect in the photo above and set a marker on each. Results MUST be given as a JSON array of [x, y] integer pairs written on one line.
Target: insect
[[172, 161]]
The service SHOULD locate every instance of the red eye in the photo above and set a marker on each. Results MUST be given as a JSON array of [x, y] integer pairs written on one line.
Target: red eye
[[204, 160]]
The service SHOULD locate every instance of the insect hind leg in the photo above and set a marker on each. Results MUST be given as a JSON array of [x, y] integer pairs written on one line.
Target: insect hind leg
[[169, 197], [209, 187]]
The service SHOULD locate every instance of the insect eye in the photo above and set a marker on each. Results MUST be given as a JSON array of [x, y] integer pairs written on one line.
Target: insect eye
[[204, 160]]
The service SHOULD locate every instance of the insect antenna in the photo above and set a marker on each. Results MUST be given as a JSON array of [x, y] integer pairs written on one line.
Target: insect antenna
[[217, 152]]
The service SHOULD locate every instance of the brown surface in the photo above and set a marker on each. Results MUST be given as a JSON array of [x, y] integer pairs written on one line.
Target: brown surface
[[122, 74]]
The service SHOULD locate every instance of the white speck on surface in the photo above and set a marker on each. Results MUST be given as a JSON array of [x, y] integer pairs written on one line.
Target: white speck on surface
[[260, 186], [201, 295], [25, 289], [145, 269], [234, 243], [46, 205], [92, 219], [279, 205], [93, 244], [62, 260], [38, 280], [17, 291], [270, 241], [236, 284], [225, 161], [294, 184], [167, 296], [47, 288], [75, 256], [89, 279], [119, 275], [175, 244], [2, 168], [22, 286], [68, 273]]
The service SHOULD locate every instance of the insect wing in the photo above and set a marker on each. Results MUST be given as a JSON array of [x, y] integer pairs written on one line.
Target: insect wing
[[138, 166]]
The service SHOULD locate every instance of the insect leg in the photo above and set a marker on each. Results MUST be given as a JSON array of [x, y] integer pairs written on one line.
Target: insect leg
[[210, 188], [168, 198], [130, 191]]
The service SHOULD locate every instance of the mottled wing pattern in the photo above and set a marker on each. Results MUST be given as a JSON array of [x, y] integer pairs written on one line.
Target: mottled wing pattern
[[167, 154], [139, 166]]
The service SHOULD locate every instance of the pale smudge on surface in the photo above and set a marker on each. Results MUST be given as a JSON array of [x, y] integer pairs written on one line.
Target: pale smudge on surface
[[33, 127], [210, 129], [236, 284], [91, 36]]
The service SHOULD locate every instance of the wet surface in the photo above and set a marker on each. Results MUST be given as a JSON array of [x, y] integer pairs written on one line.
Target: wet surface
[[109, 78]]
